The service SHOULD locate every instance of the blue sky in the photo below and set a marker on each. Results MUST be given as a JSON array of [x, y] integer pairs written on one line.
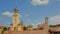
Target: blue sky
[[31, 11]]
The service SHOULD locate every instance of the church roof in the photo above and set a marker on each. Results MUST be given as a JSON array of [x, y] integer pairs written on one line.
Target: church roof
[[42, 24], [20, 24], [57, 25], [2, 27]]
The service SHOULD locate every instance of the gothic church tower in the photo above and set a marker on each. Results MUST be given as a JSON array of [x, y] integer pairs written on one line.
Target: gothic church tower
[[16, 26]]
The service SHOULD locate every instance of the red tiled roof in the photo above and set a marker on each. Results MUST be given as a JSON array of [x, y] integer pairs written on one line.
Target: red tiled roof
[[1, 27], [43, 25], [57, 25]]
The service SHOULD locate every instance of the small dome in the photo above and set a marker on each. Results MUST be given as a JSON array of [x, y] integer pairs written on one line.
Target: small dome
[[20, 24], [16, 10]]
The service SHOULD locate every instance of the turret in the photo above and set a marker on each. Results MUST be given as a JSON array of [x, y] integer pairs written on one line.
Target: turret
[[46, 20]]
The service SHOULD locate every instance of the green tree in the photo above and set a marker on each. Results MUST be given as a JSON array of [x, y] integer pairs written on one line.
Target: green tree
[[4, 29], [25, 28]]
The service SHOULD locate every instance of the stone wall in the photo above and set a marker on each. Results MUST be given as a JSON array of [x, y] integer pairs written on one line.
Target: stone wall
[[26, 32]]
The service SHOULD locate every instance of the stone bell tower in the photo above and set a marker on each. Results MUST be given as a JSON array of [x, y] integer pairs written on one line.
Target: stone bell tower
[[15, 20], [46, 28], [46, 20]]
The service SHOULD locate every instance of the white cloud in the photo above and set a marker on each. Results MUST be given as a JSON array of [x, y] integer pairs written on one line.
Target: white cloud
[[39, 2], [8, 14], [54, 20]]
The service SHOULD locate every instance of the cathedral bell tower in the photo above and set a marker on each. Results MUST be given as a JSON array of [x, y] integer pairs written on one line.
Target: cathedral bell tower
[[16, 24], [15, 20]]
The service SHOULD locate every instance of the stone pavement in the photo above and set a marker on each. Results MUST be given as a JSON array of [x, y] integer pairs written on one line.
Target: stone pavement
[[26, 32]]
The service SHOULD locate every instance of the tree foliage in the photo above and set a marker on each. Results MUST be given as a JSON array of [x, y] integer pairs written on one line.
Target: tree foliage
[[25, 28], [5, 29]]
